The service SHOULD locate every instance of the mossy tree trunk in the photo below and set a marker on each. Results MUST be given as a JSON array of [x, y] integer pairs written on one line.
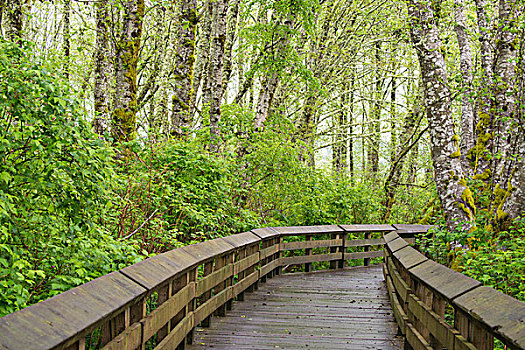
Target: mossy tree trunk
[[216, 85], [455, 196], [467, 106], [102, 68], [14, 15], [128, 47], [202, 56], [185, 57]]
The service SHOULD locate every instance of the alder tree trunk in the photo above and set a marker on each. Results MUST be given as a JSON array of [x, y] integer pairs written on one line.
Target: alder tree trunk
[[102, 68], [181, 118], [215, 72], [467, 108], [202, 50], [128, 48], [456, 198], [14, 14]]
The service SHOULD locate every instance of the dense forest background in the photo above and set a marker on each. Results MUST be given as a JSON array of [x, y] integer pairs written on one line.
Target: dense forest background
[[131, 127]]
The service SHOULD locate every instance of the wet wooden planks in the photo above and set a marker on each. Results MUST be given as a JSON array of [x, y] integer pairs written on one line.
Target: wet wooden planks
[[343, 309]]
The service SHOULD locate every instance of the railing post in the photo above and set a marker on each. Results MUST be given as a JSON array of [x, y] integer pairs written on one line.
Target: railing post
[[241, 254], [342, 249], [308, 251], [192, 278], [208, 268], [367, 249], [279, 269]]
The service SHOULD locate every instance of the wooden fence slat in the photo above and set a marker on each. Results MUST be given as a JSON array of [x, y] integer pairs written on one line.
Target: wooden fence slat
[[367, 228], [396, 244], [443, 280], [178, 334], [364, 242], [212, 304], [245, 283], [161, 315], [362, 255], [303, 230], [266, 232], [415, 339], [245, 263], [131, 338], [269, 251], [264, 270], [295, 260], [321, 243], [409, 257], [213, 279]]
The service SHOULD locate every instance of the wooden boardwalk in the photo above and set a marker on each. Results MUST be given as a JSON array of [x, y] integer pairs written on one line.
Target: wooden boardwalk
[[344, 309]]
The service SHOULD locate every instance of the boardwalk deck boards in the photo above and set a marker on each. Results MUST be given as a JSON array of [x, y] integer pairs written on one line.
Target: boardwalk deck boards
[[346, 309]]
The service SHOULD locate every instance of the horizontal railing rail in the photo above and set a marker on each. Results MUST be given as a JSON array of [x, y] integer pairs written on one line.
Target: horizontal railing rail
[[158, 302], [438, 308]]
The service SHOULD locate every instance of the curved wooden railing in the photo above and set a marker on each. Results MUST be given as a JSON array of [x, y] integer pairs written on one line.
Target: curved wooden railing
[[438, 308], [158, 302]]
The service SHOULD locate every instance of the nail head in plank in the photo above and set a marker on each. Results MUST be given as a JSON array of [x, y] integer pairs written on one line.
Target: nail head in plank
[[367, 228], [443, 280], [58, 320], [409, 257], [500, 312]]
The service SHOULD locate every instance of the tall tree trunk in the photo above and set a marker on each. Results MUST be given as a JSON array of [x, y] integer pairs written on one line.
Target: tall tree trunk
[[507, 138], [350, 121], [67, 36], [102, 68], [456, 198], [232, 19], [14, 12], [467, 108], [124, 114], [202, 50], [393, 116], [374, 128], [215, 72], [181, 119]]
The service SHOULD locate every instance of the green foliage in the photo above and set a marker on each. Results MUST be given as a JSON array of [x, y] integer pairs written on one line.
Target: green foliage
[[495, 259], [54, 176]]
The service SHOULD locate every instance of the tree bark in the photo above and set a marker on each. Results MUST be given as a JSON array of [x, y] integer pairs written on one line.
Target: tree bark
[[14, 12], [181, 118], [216, 71], [67, 36], [456, 198], [467, 108], [128, 48], [202, 50], [102, 69]]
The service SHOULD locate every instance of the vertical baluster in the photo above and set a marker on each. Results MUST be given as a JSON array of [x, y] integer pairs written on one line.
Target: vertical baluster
[[308, 251], [241, 255], [164, 295], [367, 249], [192, 278], [208, 268]]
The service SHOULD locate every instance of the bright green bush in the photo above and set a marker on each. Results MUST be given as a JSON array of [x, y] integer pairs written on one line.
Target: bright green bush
[[54, 177]]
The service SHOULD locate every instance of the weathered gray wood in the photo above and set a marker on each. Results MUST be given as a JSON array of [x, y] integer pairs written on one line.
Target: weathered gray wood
[[311, 244], [241, 239], [245, 263], [63, 318], [211, 280], [409, 257], [443, 280], [498, 311], [303, 230], [367, 228], [266, 232], [397, 244], [160, 316], [294, 260], [178, 334], [413, 228], [390, 236], [157, 270], [363, 255], [364, 242], [271, 250], [339, 309], [208, 250], [415, 339]]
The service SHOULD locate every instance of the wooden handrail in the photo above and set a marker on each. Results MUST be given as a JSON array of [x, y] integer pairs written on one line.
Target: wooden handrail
[[422, 292], [159, 301]]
